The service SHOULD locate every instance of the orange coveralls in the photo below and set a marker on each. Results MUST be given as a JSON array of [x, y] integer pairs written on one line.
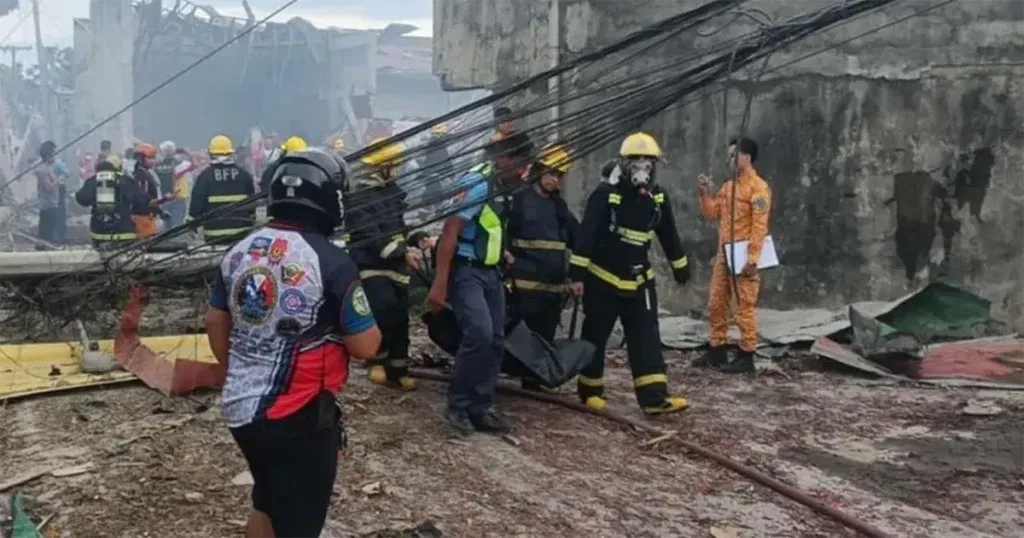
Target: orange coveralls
[[753, 204]]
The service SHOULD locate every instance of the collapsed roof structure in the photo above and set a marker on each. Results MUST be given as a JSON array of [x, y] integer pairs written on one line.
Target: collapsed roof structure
[[290, 77]]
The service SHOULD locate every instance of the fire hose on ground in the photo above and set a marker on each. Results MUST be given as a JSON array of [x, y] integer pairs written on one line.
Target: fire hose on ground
[[775, 484]]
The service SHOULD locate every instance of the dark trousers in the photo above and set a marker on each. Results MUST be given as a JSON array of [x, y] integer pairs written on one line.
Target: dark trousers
[[389, 302], [477, 298], [49, 223], [61, 231], [602, 305], [540, 310], [293, 466]]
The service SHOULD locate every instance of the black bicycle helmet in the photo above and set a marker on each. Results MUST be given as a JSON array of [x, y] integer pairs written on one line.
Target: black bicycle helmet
[[311, 178]]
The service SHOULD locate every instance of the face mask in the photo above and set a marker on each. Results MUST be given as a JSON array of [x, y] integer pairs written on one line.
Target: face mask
[[641, 171]]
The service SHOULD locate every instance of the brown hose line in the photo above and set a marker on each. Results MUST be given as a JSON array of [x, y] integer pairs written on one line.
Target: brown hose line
[[793, 493]]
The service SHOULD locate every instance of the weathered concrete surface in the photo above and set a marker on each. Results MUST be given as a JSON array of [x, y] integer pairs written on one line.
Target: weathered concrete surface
[[893, 158]]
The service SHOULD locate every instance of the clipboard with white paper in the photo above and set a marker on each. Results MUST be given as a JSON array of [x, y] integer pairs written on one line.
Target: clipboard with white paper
[[769, 258]]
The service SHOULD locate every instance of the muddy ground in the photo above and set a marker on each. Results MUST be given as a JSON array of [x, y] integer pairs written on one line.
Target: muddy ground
[[131, 462]]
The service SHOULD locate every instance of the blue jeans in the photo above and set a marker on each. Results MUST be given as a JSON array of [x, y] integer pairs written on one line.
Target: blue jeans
[[477, 298], [176, 209]]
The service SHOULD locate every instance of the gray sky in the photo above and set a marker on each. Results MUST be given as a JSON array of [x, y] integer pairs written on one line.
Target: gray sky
[[56, 15]]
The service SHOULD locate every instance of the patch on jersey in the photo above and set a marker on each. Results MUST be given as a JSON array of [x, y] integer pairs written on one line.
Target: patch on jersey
[[277, 250], [294, 301], [236, 260], [461, 197], [292, 274], [259, 247], [255, 295], [760, 204], [359, 302]]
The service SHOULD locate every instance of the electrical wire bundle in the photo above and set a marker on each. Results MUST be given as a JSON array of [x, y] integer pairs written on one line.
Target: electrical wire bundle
[[614, 90]]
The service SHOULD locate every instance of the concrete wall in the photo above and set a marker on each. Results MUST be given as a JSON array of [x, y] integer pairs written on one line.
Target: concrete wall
[[894, 159], [107, 79]]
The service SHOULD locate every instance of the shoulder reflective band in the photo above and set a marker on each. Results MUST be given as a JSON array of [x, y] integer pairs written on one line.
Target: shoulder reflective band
[[490, 224], [681, 263], [659, 198]]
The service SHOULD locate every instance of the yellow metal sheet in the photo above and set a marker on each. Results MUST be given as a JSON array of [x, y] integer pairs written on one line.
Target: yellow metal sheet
[[27, 369]]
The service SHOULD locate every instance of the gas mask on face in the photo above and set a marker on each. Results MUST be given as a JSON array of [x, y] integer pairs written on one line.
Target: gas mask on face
[[640, 171]]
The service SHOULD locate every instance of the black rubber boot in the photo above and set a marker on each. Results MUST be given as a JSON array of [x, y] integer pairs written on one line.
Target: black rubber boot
[[715, 357], [743, 363]]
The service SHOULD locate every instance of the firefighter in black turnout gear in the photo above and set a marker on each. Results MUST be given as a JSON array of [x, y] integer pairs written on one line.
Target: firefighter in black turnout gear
[[539, 233], [222, 183], [110, 194], [610, 266], [374, 227]]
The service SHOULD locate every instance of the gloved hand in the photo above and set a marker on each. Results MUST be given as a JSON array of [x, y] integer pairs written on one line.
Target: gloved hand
[[682, 276]]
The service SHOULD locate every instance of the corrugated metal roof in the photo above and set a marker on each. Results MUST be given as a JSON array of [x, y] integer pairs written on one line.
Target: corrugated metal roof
[[28, 369]]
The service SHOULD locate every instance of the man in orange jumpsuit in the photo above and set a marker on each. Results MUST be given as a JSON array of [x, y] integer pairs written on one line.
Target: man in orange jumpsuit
[[741, 209]]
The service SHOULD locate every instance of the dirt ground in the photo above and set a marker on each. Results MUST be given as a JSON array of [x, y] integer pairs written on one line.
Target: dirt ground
[[130, 462]]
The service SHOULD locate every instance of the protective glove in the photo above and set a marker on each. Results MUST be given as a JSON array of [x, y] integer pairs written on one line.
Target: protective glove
[[682, 276]]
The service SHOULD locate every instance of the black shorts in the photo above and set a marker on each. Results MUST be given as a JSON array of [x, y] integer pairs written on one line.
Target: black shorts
[[293, 468]]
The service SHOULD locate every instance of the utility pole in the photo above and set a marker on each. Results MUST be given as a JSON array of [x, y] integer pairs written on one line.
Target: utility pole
[[14, 50], [44, 76]]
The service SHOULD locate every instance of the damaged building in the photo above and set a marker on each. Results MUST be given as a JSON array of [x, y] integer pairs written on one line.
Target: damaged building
[[285, 77], [894, 158]]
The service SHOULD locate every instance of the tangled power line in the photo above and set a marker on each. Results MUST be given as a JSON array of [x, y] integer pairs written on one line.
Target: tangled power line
[[681, 63]]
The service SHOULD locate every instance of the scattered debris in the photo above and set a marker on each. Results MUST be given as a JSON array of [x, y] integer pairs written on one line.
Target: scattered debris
[[243, 478], [724, 532], [978, 408], [372, 489], [511, 440], [194, 497], [658, 439], [73, 470], [23, 479], [98, 362]]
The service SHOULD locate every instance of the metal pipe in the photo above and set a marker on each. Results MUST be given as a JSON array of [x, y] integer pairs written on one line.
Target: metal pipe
[[793, 493]]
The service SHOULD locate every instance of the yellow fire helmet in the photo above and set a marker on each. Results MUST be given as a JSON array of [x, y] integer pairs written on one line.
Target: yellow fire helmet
[[640, 145], [220, 145], [384, 155], [555, 157], [293, 144], [115, 160]]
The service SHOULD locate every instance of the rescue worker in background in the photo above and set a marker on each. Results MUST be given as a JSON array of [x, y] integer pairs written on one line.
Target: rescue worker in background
[[291, 145], [540, 233], [287, 315], [375, 227], [338, 147], [610, 266], [173, 205], [128, 163], [222, 183], [506, 125], [111, 196], [467, 260], [146, 210], [51, 176], [745, 219], [105, 147], [437, 164]]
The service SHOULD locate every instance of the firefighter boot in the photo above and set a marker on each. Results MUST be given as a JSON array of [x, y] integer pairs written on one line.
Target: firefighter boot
[[715, 357], [377, 374], [672, 404], [591, 391], [397, 373], [743, 363]]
